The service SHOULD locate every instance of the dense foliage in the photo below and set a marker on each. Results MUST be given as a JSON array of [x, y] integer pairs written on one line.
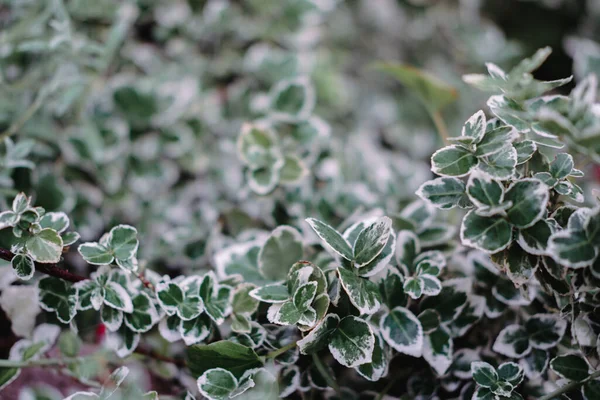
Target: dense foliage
[[234, 199]]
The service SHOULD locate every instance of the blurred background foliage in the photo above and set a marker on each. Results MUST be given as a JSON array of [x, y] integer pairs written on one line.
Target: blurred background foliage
[[134, 107]]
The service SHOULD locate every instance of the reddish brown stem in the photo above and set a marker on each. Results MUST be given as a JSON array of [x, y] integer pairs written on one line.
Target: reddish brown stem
[[48, 269]]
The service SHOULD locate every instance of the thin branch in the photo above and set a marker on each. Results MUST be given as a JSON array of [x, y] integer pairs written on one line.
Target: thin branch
[[29, 112], [440, 125], [326, 375], [144, 281], [278, 352], [42, 362], [573, 385], [386, 389], [48, 269]]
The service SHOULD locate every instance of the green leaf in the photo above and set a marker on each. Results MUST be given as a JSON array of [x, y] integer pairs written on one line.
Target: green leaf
[[363, 293], [195, 330], [231, 356], [275, 293], [438, 349], [286, 314], [292, 100], [216, 297], [591, 390], [69, 344], [95, 253], [484, 394], [407, 249], [495, 140], [55, 220], [353, 342], [392, 291], [529, 198], [217, 384], [534, 239], [371, 241], [58, 296], [240, 323], [169, 296], [304, 296], [8, 376], [470, 314], [20, 203], [489, 234], [402, 330], [289, 381], [583, 96], [173, 300], [243, 302], [279, 252], [111, 318], [122, 241], [502, 388], [414, 287], [431, 285], [535, 363], [511, 372], [128, 343], [264, 180], [89, 295], [144, 315], [525, 150], [417, 213], [254, 144], [70, 238], [45, 246], [475, 127], [382, 260], [444, 193], [319, 337], [116, 378], [23, 266], [117, 297], [562, 166], [265, 386], [453, 161], [571, 366], [545, 330], [332, 238], [500, 165], [430, 320], [518, 265], [484, 374], [452, 299], [129, 265], [512, 341], [532, 63], [293, 170], [484, 191], [432, 92], [378, 367], [8, 218], [573, 247]]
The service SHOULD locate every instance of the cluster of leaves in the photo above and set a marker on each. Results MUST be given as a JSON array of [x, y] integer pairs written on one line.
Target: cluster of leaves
[[38, 236], [271, 147], [520, 207]]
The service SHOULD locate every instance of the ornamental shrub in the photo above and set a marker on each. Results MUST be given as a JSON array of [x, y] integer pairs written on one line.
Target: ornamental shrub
[[249, 199]]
